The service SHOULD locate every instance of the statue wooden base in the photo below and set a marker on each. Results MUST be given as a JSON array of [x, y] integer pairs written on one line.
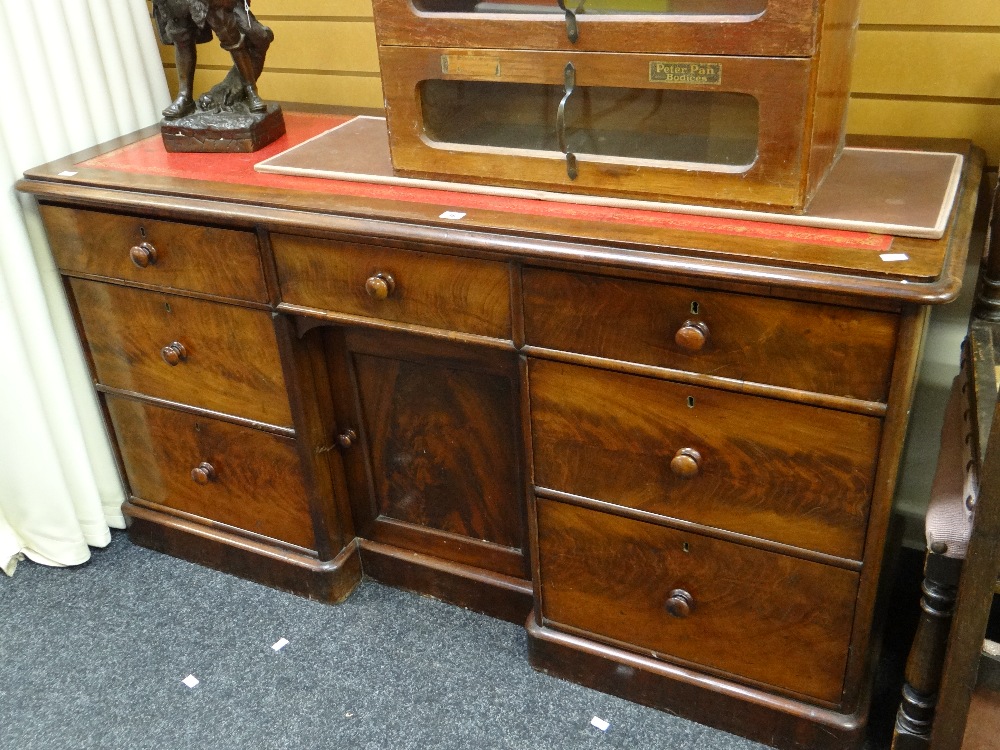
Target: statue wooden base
[[237, 131]]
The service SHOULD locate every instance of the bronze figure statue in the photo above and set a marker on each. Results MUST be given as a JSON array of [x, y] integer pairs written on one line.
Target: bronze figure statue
[[231, 116]]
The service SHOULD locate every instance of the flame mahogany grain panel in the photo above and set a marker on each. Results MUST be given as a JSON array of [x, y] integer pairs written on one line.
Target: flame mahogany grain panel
[[257, 484], [753, 614], [433, 467], [439, 466], [190, 257], [429, 289], [806, 346], [771, 469], [231, 360]]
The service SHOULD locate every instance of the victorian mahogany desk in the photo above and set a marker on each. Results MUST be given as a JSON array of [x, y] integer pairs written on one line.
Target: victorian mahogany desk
[[668, 442]]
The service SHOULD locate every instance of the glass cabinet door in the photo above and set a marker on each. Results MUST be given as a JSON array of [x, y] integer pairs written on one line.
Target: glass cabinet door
[[723, 129], [730, 27], [712, 130]]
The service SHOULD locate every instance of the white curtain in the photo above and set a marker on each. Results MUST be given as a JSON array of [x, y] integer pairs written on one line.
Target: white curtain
[[74, 73]]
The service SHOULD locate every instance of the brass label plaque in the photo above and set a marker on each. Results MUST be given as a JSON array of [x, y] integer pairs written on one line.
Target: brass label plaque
[[477, 66], [686, 73]]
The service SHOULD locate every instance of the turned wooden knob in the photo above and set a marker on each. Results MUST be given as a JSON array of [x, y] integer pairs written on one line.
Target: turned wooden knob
[[203, 473], [686, 463], [174, 353], [143, 255], [680, 603], [380, 286], [692, 336], [347, 438]]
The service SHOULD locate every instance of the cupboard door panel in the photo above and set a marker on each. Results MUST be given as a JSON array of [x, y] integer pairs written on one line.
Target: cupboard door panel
[[439, 465]]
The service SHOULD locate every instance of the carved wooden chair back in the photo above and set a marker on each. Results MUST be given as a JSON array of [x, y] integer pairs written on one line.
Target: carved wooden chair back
[[949, 671]]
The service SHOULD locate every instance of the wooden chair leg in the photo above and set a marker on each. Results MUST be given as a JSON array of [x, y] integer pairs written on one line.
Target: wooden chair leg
[[926, 659]]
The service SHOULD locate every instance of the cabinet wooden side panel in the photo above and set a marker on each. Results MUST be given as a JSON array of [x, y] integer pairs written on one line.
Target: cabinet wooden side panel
[[831, 88], [790, 473], [256, 481], [230, 359], [753, 614], [223, 262], [810, 347]]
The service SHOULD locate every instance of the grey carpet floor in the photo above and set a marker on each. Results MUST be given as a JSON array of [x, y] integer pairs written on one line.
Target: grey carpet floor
[[94, 657]]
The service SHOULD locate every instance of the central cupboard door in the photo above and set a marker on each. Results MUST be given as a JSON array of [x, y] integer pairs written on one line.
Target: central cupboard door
[[431, 445]]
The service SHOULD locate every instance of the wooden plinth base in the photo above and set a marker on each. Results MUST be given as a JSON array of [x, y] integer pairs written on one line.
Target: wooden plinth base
[[329, 581], [773, 720], [482, 591], [223, 132], [472, 588]]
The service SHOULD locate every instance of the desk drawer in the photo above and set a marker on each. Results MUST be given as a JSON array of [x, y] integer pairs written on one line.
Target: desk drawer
[[806, 346], [758, 615], [776, 470], [439, 291], [226, 361], [223, 262], [737, 27], [600, 124], [219, 471]]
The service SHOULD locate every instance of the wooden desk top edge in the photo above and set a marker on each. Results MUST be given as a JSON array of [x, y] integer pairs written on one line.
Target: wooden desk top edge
[[102, 189]]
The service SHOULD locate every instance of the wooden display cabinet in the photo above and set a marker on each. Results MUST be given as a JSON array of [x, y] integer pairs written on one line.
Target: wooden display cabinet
[[734, 104]]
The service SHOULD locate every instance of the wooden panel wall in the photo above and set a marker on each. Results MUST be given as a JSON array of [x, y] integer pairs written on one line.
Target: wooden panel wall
[[923, 67], [323, 53], [929, 68]]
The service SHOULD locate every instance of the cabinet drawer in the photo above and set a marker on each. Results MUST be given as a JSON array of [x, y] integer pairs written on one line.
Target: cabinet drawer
[[224, 358], [790, 473], [511, 117], [219, 471], [805, 346], [736, 27], [757, 615], [439, 291], [224, 262]]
